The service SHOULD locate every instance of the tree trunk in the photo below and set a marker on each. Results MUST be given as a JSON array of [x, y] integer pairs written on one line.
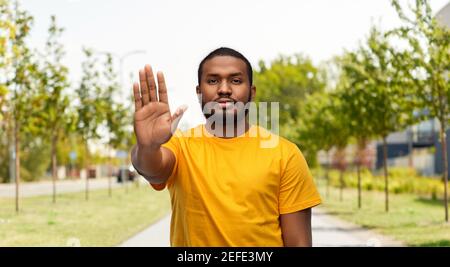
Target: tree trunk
[[341, 181], [87, 170], [444, 158], [109, 173], [11, 150], [54, 166], [17, 160], [342, 167], [386, 184], [327, 174], [125, 178], [359, 184], [109, 186], [410, 148], [359, 160]]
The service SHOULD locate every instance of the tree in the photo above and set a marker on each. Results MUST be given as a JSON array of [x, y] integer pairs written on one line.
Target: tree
[[322, 126], [118, 116], [54, 82], [20, 81], [355, 99], [426, 63], [89, 108], [7, 34], [341, 136], [288, 80], [388, 102]]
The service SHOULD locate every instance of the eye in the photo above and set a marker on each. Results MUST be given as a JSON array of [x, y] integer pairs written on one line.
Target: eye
[[211, 81], [236, 81]]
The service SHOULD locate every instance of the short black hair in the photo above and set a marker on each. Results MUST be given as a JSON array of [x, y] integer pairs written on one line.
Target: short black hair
[[225, 51]]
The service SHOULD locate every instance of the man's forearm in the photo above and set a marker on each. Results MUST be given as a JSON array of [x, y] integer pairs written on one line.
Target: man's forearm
[[296, 228], [148, 162]]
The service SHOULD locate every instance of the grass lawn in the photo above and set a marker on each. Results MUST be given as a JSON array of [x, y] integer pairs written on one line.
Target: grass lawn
[[101, 221], [414, 220]]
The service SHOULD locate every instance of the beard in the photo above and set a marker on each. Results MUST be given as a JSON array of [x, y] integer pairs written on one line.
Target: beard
[[231, 113]]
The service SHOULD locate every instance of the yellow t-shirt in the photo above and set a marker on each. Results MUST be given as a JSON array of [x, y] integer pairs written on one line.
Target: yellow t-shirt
[[231, 192]]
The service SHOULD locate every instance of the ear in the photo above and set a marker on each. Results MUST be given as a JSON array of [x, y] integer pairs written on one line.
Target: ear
[[252, 93], [199, 94]]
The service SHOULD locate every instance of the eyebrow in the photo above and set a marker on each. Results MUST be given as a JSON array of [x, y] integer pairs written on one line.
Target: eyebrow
[[217, 75]]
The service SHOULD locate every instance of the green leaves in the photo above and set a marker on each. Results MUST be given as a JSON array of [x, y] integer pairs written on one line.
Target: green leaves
[[89, 110], [53, 85], [426, 67], [380, 85], [118, 117], [288, 80], [34, 93], [425, 63]]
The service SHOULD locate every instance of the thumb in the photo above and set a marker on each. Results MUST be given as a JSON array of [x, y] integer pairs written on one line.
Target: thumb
[[176, 117]]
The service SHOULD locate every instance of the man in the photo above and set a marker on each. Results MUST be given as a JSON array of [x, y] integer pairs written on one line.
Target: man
[[226, 189]]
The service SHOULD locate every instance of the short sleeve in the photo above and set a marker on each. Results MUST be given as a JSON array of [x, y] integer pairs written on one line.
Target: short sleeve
[[297, 188], [173, 145]]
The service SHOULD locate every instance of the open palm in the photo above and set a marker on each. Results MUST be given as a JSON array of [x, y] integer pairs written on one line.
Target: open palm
[[153, 123]]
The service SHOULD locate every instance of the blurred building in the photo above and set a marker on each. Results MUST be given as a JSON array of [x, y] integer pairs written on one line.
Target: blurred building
[[419, 145], [443, 16]]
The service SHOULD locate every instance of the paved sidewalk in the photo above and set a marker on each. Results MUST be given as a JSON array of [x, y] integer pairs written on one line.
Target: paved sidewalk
[[328, 231], [157, 235], [62, 186]]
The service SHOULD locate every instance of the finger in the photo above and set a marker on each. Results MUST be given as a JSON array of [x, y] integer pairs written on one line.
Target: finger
[[151, 82], [176, 117], [137, 97], [144, 87], [179, 112], [162, 89]]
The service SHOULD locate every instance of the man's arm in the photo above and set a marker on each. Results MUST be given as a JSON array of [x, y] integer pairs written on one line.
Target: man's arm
[[296, 228], [155, 165], [153, 126]]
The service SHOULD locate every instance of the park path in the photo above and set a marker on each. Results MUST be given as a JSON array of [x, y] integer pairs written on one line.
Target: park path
[[328, 231], [157, 235], [62, 186]]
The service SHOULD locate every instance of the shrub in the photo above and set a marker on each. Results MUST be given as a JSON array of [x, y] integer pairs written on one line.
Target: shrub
[[401, 180]]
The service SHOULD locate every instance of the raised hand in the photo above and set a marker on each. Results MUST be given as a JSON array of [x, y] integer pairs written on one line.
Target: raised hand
[[153, 123]]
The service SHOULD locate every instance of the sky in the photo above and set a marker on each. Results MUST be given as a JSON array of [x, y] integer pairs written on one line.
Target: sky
[[176, 35]]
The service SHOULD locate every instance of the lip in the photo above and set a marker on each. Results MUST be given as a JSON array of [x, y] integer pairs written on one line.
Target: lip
[[225, 103]]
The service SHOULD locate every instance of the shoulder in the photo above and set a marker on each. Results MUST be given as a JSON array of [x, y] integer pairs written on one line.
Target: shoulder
[[196, 131], [278, 142]]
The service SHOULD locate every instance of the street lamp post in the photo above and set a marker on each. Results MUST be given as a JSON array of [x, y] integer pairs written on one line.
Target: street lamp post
[[121, 63], [122, 60], [121, 82]]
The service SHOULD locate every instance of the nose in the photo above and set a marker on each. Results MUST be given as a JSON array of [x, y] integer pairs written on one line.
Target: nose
[[224, 89]]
